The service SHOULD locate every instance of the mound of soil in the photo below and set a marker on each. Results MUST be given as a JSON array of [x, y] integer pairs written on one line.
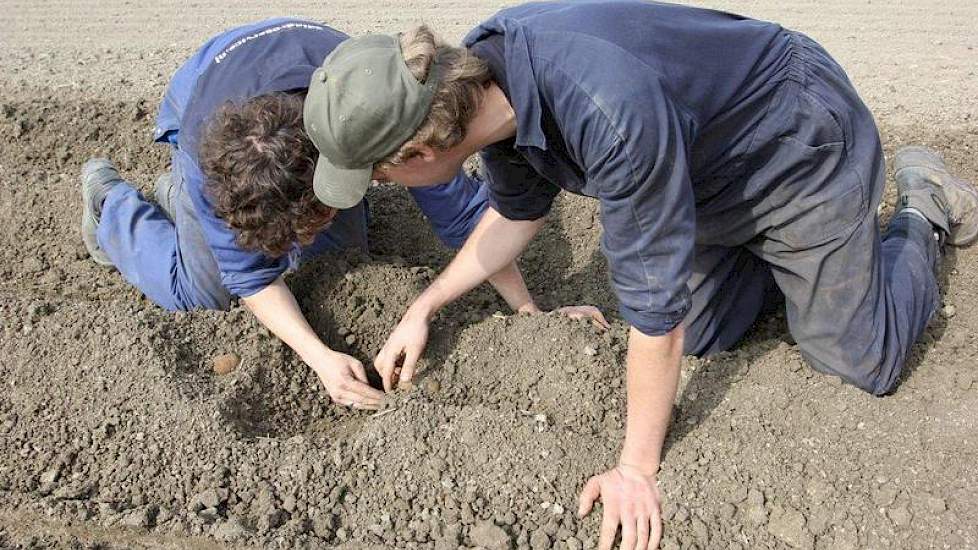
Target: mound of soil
[[118, 433]]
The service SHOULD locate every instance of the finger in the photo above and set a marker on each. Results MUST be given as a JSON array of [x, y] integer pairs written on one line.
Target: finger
[[358, 371], [365, 394], [598, 319], [412, 354], [642, 532], [384, 363], [609, 526], [344, 398], [349, 398], [655, 530], [365, 407], [589, 494], [628, 531]]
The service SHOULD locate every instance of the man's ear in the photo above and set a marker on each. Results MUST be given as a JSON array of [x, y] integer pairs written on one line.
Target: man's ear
[[426, 153]]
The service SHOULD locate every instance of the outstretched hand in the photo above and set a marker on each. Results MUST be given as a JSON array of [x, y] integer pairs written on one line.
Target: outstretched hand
[[630, 499]]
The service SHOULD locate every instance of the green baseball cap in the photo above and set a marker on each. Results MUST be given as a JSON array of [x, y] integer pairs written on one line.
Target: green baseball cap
[[362, 105]]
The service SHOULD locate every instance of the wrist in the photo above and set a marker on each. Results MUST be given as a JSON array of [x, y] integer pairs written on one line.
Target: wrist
[[423, 309], [642, 462], [314, 355]]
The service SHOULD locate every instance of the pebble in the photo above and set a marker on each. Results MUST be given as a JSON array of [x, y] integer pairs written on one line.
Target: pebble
[[224, 364], [50, 476], [432, 386], [490, 536], [539, 540], [818, 490], [789, 527], [229, 531], [211, 498], [590, 351], [137, 518], [900, 516], [209, 514], [572, 543], [449, 539], [949, 311]]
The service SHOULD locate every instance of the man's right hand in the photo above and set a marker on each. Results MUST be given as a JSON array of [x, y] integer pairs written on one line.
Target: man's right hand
[[407, 341], [345, 380]]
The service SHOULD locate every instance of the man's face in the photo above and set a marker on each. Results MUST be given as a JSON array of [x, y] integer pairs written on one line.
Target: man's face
[[428, 167]]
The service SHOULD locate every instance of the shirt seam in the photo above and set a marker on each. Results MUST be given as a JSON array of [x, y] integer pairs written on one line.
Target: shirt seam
[[619, 141]]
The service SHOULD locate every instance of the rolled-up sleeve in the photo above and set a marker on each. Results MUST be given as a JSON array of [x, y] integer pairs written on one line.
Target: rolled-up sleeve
[[516, 190], [635, 161]]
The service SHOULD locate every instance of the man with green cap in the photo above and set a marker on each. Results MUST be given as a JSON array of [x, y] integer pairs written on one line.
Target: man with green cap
[[732, 160], [237, 211]]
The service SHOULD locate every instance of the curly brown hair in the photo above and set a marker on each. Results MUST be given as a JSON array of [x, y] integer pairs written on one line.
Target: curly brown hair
[[258, 163]]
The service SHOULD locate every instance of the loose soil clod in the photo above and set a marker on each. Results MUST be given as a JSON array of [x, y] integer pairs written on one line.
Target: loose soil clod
[[225, 363]]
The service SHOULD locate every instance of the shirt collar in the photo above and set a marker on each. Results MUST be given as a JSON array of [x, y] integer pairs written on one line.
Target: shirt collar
[[520, 78]]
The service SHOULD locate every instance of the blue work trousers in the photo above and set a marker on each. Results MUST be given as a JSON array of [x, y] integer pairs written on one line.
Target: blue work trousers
[[856, 301], [165, 254]]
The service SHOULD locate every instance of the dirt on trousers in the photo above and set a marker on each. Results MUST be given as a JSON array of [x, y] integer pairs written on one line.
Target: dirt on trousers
[[115, 431]]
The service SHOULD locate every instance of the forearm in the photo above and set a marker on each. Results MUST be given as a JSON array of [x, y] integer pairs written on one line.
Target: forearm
[[653, 365], [492, 247], [509, 283], [276, 309]]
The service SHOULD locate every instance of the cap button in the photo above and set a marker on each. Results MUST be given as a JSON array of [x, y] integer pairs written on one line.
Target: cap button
[[322, 76]]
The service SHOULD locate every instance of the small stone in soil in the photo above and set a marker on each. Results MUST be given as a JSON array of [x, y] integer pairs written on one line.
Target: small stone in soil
[[490, 536], [224, 364], [432, 386]]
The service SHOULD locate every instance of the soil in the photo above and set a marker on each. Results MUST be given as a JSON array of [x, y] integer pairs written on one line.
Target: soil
[[116, 431]]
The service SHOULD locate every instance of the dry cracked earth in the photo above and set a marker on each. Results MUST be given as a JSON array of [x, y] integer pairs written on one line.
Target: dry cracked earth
[[117, 433]]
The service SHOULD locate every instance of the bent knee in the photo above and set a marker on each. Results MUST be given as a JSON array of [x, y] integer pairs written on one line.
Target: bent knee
[[874, 373]]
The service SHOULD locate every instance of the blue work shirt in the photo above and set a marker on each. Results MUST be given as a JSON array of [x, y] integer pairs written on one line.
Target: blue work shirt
[[647, 107], [275, 55]]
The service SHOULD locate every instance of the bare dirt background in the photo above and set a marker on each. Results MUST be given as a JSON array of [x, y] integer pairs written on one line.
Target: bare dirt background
[[115, 432]]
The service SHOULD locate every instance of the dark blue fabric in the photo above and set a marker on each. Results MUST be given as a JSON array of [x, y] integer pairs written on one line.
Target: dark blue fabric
[[453, 209], [275, 55], [639, 105], [728, 156]]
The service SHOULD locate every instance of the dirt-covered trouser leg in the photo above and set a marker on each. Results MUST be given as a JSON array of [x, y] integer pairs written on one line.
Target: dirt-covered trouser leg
[[855, 302], [730, 288], [169, 261]]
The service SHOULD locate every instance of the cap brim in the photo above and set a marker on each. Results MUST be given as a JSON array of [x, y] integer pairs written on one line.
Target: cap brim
[[340, 187]]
